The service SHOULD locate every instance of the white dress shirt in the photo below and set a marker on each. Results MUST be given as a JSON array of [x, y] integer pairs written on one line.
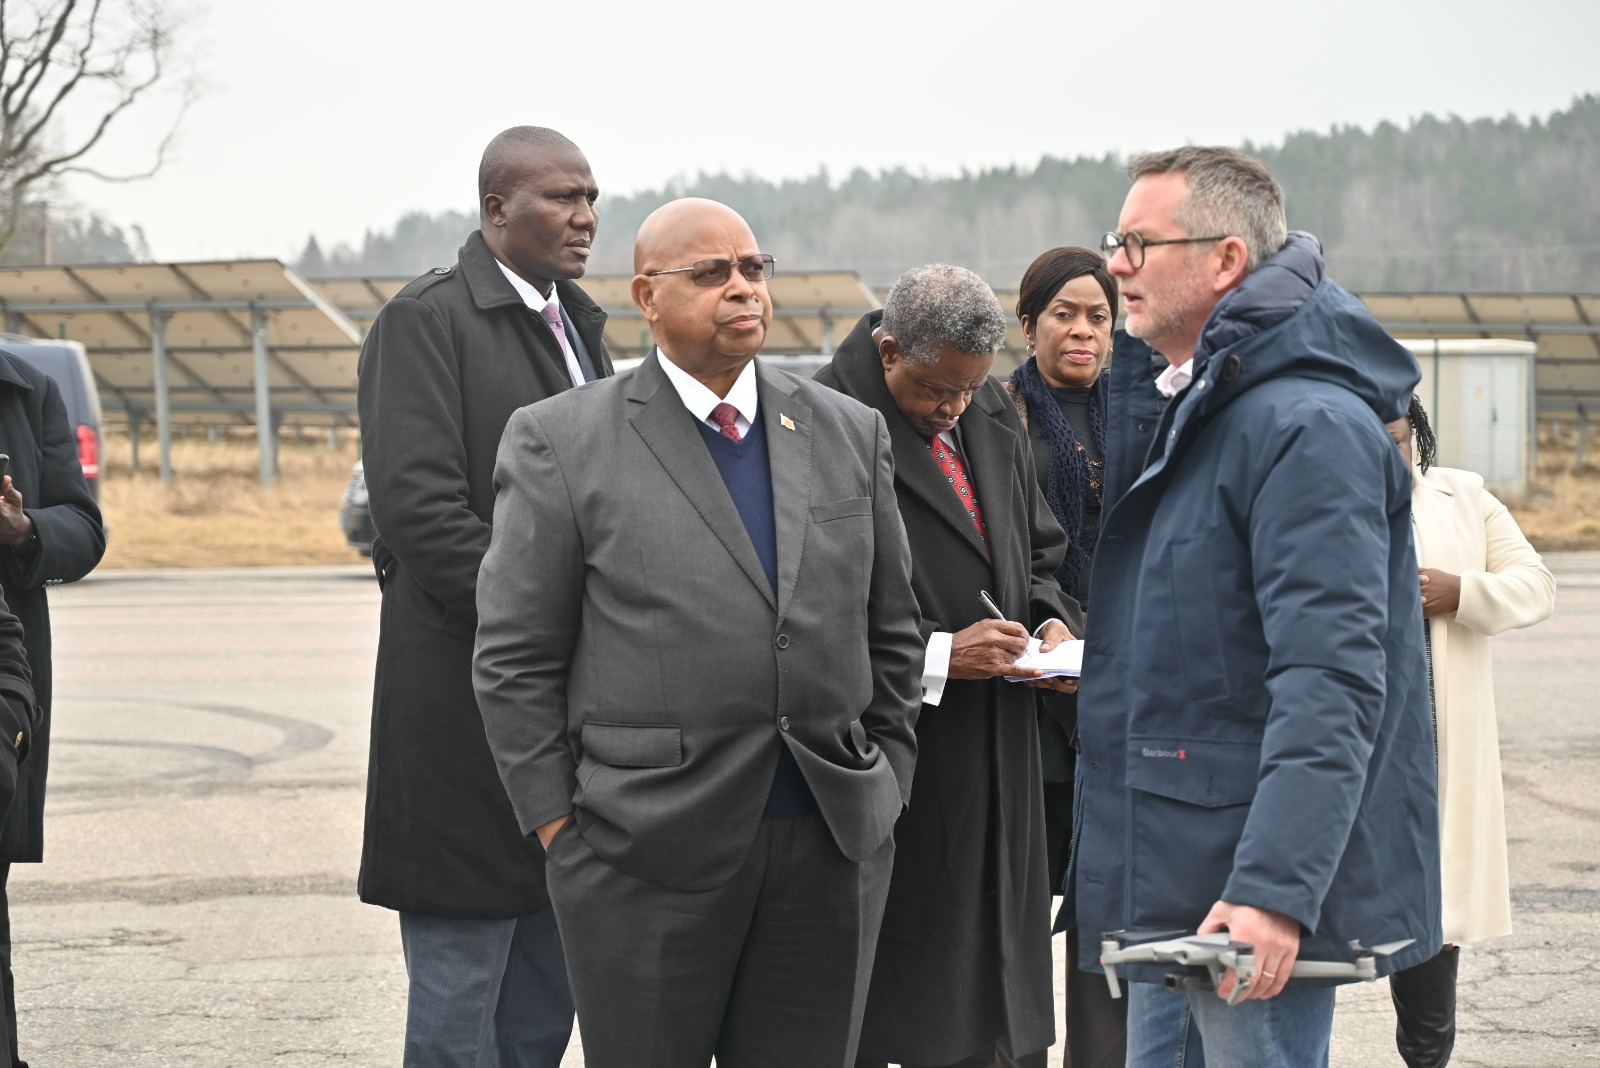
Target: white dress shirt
[[700, 400], [1171, 381], [534, 300]]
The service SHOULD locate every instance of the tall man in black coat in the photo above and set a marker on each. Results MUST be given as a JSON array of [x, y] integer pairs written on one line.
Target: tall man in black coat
[[50, 532], [446, 363], [963, 966]]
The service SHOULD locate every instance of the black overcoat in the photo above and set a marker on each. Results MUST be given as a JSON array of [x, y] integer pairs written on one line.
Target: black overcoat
[[18, 715], [43, 447], [445, 364], [964, 954]]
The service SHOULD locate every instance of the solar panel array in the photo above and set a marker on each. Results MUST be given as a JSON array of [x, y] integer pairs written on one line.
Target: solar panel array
[[313, 330], [210, 313]]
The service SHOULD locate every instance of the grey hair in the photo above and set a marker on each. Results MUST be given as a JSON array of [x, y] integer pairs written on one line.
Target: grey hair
[[1229, 193], [937, 305], [500, 155]]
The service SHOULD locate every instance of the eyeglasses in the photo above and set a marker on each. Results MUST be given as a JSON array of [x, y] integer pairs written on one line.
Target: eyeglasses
[[755, 268], [1133, 244]]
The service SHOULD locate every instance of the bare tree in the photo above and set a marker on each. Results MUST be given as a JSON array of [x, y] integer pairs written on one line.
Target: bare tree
[[72, 54]]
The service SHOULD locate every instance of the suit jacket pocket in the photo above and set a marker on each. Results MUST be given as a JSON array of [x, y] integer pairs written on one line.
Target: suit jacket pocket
[[822, 513], [629, 745]]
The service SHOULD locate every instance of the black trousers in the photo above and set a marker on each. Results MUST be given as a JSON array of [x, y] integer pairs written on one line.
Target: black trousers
[[9, 1058], [1096, 1032], [767, 971]]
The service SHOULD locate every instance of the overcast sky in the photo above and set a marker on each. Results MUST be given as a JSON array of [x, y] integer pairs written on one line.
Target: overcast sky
[[336, 116]]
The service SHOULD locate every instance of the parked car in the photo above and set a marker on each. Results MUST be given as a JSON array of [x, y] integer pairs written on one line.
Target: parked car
[[354, 517], [68, 363]]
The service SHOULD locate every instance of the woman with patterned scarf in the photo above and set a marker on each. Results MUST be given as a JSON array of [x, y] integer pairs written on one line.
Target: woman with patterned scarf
[[1067, 307]]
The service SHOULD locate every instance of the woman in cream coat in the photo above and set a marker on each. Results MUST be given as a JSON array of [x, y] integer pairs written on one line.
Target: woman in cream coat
[[1479, 577]]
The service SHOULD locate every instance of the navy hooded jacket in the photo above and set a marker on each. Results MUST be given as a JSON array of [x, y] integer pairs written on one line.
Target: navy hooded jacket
[[1254, 715]]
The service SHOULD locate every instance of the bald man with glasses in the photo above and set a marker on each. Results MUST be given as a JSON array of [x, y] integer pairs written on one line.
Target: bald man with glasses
[[699, 669]]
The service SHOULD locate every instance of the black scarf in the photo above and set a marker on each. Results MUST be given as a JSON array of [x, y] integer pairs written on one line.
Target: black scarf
[[1067, 488]]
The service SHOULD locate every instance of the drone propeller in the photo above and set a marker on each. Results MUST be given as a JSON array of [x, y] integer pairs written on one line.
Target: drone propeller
[[1392, 947], [1127, 937]]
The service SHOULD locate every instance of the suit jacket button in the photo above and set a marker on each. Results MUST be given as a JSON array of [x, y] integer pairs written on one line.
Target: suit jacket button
[[783, 641], [783, 723]]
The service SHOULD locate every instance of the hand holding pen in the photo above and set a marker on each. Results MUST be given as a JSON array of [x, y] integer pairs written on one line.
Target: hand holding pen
[[1051, 635]]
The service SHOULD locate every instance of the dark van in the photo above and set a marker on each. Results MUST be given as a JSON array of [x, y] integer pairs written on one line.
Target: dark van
[[68, 364]]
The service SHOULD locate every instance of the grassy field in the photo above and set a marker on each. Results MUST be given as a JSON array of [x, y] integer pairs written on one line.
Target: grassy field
[[215, 513], [1562, 508]]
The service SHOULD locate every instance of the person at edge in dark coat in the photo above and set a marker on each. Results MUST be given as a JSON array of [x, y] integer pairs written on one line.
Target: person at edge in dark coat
[[50, 533], [1067, 304], [1256, 753], [962, 974], [446, 363]]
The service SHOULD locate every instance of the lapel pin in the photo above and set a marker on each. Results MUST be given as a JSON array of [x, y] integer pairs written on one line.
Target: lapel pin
[[788, 424]]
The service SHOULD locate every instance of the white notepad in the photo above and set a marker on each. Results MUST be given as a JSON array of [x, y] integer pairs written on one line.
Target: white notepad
[[1065, 659]]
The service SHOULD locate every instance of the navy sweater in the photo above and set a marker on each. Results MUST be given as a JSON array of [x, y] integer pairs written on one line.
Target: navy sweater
[[748, 476]]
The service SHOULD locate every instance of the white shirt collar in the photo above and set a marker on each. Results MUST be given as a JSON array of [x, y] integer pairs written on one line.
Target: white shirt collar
[[1172, 381], [530, 296], [700, 400], [537, 304]]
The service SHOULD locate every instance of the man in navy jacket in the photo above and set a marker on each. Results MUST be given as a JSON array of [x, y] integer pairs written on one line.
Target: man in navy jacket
[[1256, 747]]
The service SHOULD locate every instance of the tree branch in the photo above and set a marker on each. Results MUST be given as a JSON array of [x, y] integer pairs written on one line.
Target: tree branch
[[76, 48]]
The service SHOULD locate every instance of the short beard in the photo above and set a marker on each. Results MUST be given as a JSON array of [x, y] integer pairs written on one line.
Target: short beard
[[1175, 316]]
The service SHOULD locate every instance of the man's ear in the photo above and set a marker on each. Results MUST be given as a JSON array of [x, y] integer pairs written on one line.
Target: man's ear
[[888, 351], [1232, 263], [644, 297], [494, 209]]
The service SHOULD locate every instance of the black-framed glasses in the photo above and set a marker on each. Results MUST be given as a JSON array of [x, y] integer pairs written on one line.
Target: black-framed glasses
[[1134, 243], [756, 268]]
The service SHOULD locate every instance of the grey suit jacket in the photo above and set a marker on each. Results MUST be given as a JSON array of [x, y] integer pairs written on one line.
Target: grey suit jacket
[[632, 663]]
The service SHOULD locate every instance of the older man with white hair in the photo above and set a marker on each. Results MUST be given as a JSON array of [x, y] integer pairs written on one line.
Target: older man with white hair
[[963, 965]]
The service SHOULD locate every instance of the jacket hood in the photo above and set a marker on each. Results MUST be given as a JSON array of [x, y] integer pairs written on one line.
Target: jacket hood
[[1287, 318]]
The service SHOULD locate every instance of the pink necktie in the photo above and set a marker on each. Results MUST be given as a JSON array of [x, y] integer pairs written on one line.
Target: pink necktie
[[551, 314], [724, 415]]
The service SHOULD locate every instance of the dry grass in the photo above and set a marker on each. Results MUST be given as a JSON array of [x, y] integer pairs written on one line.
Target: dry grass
[[216, 514], [1562, 508]]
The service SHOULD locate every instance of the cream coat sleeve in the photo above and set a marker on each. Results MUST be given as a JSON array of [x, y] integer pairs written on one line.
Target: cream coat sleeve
[[1515, 589]]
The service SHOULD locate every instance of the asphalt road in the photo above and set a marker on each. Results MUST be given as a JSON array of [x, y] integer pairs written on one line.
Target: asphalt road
[[197, 905]]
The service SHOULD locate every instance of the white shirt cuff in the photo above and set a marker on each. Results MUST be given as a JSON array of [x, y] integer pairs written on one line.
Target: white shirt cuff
[[936, 667], [1049, 621]]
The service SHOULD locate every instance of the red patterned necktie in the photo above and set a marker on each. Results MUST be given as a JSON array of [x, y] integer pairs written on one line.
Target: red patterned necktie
[[724, 415], [956, 471]]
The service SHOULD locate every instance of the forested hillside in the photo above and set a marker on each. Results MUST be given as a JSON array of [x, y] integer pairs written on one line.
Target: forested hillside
[[1442, 204]]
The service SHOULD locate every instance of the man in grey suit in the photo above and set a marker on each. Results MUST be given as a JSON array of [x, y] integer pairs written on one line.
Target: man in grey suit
[[698, 666]]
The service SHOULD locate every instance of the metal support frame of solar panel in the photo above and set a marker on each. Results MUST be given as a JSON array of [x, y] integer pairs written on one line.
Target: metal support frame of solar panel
[[245, 340]]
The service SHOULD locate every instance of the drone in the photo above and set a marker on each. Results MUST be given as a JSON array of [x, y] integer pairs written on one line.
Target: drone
[[1204, 959]]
